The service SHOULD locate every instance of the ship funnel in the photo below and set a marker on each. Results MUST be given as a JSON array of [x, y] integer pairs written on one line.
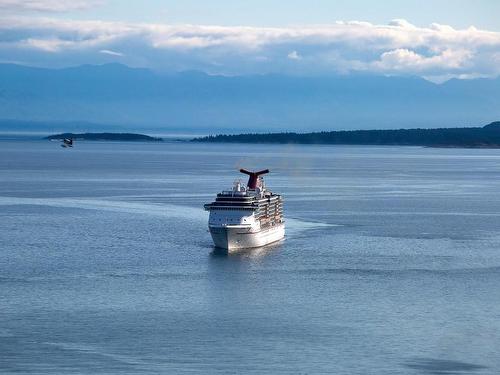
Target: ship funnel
[[254, 176]]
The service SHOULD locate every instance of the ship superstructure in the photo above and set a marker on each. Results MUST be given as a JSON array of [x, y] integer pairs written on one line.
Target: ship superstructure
[[246, 216]]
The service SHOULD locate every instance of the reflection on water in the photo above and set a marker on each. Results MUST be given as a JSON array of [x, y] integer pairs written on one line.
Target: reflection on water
[[251, 253], [442, 366]]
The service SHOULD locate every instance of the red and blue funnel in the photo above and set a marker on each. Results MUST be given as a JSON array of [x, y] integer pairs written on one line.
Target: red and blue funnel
[[254, 177]]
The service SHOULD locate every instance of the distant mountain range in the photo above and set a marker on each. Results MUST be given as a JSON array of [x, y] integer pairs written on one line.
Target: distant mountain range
[[477, 137], [116, 97]]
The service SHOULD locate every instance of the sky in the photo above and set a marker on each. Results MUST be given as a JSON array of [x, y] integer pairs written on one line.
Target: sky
[[437, 39]]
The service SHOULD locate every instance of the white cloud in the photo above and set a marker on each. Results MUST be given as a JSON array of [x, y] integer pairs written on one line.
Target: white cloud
[[401, 23], [396, 48], [403, 59], [111, 53], [46, 45], [294, 56]]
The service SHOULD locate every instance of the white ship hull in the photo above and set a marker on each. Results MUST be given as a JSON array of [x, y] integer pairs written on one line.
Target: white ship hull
[[242, 237]]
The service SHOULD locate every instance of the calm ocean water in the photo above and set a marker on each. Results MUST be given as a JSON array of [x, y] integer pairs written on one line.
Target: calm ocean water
[[391, 263]]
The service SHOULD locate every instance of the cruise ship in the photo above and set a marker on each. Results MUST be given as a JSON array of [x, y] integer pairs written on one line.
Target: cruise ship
[[246, 216]]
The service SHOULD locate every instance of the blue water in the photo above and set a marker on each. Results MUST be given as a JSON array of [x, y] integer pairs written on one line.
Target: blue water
[[391, 263]]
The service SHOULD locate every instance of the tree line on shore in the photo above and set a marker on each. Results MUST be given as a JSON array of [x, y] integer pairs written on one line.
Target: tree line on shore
[[487, 136]]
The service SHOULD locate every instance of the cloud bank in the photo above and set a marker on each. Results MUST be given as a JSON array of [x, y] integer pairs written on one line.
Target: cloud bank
[[435, 51]]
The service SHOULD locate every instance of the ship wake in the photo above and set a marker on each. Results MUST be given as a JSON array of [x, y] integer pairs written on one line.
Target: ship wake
[[293, 225]]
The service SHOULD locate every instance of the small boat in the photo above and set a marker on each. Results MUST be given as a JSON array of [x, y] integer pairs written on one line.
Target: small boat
[[67, 142]]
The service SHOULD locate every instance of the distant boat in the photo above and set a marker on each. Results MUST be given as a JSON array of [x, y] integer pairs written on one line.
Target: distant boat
[[246, 217], [67, 142]]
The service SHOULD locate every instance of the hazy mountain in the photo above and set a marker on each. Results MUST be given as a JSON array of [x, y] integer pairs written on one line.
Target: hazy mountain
[[141, 99]]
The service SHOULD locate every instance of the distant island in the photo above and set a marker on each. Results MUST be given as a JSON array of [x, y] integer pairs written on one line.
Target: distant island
[[474, 137], [128, 137]]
